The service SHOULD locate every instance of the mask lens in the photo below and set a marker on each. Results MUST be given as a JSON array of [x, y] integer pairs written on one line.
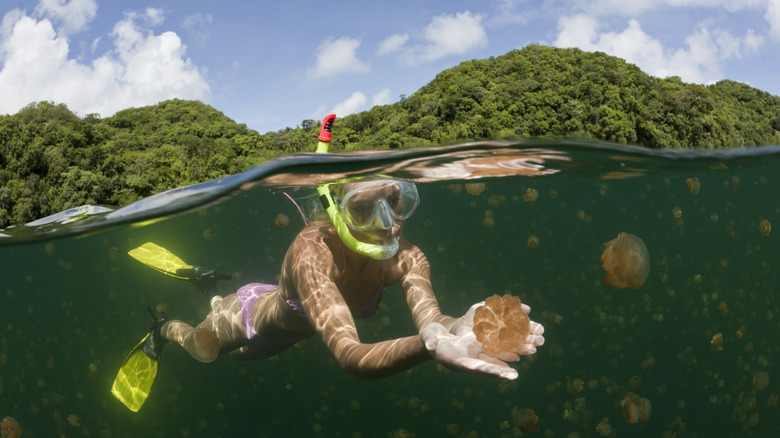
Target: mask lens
[[378, 203]]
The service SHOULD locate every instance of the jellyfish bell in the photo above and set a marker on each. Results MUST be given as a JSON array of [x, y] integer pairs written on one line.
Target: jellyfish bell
[[526, 421], [9, 428], [626, 261], [761, 380], [635, 408], [501, 325]]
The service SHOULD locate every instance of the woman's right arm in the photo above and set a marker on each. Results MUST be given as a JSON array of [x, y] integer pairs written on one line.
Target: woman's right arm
[[313, 272]]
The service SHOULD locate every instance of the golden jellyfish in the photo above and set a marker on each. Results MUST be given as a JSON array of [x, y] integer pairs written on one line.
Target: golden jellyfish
[[496, 200], [475, 189], [488, 220], [626, 261], [636, 408], [693, 184], [765, 227], [9, 428], [717, 341], [282, 220], [501, 325], [526, 421], [74, 420], [761, 380], [530, 195], [604, 428]]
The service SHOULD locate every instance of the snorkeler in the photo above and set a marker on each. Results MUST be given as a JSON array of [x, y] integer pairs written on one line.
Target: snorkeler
[[334, 271]]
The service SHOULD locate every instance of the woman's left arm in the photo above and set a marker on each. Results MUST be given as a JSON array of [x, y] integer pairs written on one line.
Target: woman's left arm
[[418, 291], [449, 340]]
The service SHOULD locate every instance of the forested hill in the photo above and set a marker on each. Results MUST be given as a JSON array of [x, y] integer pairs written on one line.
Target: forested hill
[[51, 160], [544, 91]]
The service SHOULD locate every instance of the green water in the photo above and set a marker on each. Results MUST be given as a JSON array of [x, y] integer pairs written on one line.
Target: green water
[[72, 302]]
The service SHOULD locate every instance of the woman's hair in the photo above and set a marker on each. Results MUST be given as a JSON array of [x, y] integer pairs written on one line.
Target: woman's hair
[[310, 206]]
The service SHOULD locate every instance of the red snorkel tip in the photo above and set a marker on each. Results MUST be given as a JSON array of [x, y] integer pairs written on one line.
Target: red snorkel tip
[[326, 131]]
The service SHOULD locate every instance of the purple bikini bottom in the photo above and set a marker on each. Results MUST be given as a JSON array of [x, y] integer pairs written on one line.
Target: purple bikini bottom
[[247, 297]]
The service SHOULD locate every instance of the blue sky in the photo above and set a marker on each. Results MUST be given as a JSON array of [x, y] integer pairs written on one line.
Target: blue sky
[[271, 65]]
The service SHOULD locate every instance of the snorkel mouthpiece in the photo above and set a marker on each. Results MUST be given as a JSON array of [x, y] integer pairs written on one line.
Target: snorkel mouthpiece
[[376, 252]]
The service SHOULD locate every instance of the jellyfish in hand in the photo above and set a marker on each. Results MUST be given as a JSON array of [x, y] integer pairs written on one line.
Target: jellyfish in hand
[[501, 325], [626, 261]]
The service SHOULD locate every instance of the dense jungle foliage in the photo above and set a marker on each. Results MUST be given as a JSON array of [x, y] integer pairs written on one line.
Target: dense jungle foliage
[[51, 159]]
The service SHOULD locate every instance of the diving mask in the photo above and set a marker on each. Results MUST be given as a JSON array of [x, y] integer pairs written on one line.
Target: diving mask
[[377, 204]]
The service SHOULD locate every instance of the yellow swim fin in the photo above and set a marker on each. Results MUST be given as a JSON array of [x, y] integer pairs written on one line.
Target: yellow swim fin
[[168, 263], [161, 259], [135, 378], [136, 375]]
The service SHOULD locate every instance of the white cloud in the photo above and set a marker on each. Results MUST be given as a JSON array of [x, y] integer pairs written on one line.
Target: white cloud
[[198, 26], [392, 43], [318, 113], [445, 35], [700, 61], [381, 98], [634, 8], [576, 31], [142, 69], [153, 16], [155, 65], [772, 16], [452, 35], [197, 21], [335, 57], [74, 14], [508, 13], [354, 103], [752, 41]]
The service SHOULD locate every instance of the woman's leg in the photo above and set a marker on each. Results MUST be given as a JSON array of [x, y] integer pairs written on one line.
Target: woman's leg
[[219, 332], [201, 343]]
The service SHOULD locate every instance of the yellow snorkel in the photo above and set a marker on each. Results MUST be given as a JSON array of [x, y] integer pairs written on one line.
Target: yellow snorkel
[[376, 252]]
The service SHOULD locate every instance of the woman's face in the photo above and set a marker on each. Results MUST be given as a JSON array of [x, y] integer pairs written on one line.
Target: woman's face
[[373, 210], [369, 215]]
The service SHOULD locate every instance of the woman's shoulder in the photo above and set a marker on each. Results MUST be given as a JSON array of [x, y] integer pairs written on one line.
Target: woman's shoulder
[[317, 231], [408, 249], [410, 257], [314, 238]]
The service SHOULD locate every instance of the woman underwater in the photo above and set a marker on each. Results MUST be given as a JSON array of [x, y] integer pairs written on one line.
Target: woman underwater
[[333, 272]]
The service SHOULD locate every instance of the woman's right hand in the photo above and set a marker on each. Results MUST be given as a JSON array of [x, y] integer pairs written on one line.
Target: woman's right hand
[[463, 353]]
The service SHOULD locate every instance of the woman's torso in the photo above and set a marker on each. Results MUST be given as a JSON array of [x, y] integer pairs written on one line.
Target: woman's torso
[[358, 279]]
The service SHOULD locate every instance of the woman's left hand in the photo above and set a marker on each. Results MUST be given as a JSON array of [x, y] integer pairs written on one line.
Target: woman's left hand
[[463, 353]]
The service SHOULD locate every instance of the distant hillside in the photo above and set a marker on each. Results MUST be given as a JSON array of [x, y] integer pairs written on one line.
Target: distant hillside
[[544, 91], [51, 160]]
